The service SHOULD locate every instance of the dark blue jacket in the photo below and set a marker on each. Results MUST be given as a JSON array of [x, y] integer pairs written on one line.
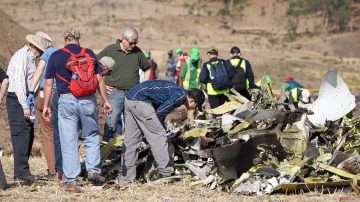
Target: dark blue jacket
[[164, 96]]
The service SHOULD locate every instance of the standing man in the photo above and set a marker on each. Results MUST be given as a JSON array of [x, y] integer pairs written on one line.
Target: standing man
[[146, 106], [76, 110], [20, 71], [216, 74], [171, 67], [125, 74], [243, 79], [47, 137], [190, 71], [154, 71], [4, 81]]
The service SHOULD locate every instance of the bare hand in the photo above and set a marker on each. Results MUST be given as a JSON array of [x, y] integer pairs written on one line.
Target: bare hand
[[109, 88], [47, 113], [107, 108], [26, 113]]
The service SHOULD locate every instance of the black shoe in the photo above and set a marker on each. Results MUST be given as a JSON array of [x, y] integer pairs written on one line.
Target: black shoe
[[29, 178], [95, 177]]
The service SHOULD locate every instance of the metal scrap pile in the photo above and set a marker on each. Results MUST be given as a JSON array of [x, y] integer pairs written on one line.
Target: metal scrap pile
[[258, 147]]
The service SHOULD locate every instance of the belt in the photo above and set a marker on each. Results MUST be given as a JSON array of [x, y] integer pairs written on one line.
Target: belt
[[119, 89]]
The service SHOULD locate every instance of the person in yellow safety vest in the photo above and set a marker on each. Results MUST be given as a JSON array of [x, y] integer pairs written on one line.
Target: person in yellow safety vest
[[216, 97], [190, 70], [243, 79], [298, 97]]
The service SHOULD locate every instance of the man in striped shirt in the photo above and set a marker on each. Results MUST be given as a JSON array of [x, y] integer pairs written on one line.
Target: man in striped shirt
[[20, 71]]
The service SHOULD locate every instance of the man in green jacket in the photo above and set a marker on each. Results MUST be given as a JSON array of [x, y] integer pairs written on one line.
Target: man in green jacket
[[125, 74], [190, 76]]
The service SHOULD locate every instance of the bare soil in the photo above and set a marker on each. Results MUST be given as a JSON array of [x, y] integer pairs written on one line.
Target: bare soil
[[259, 30]]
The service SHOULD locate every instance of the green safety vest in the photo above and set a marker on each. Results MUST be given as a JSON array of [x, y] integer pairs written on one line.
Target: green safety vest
[[234, 62], [186, 81], [209, 88]]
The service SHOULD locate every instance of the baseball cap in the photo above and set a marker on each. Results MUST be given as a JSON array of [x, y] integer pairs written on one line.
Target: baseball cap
[[235, 49], [107, 61], [178, 51], [194, 54], [198, 96], [72, 33], [212, 49], [288, 78]]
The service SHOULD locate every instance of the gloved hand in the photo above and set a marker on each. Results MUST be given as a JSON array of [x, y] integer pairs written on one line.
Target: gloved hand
[[31, 99]]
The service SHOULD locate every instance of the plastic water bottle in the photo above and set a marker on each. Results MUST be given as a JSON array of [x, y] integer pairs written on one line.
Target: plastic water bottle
[[75, 76], [32, 115]]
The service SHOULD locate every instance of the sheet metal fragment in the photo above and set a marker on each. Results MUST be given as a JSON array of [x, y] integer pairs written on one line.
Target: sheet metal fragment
[[342, 101]]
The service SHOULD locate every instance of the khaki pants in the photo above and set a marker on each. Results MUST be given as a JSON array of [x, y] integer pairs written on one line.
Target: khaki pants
[[140, 118], [47, 136]]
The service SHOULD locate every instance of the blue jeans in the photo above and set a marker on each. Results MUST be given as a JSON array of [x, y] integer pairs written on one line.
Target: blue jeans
[[74, 111], [57, 145], [113, 123]]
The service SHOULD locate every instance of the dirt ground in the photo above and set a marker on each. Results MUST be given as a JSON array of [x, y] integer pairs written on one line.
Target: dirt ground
[[259, 30], [178, 191]]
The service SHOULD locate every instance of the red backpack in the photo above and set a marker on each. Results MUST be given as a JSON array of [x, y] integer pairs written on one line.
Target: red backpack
[[83, 80]]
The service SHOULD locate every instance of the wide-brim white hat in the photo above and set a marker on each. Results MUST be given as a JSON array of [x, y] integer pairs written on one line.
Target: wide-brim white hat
[[37, 41]]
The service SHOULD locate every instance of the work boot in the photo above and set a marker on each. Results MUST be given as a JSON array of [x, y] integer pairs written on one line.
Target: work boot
[[72, 186], [95, 177], [28, 178]]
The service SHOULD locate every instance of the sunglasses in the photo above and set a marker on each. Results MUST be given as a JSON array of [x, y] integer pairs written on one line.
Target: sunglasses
[[132, 43]]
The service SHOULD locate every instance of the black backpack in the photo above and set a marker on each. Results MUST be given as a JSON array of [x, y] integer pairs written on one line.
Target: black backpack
[[219, 77]]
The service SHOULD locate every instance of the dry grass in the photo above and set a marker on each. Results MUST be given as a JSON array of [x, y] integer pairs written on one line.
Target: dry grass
[[179, 191]]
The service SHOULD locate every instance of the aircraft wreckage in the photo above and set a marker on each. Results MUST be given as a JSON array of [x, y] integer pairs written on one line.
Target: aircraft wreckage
[[259, 147]]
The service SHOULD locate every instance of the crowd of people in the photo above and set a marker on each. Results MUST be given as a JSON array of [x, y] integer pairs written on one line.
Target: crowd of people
[[57, 88]]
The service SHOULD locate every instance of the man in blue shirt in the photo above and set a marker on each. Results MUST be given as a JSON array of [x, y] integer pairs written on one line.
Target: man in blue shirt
[[146, 106], [75, 111]]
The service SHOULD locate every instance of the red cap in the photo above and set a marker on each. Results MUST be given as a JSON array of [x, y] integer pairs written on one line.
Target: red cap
[[288, 78], [185, 54]]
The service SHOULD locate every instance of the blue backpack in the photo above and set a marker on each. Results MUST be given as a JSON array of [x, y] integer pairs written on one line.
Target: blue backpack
[[219, 77]]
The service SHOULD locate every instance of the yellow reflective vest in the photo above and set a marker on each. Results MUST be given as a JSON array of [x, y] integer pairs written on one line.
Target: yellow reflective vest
[[234, 62], [186, 81], [209, 88]]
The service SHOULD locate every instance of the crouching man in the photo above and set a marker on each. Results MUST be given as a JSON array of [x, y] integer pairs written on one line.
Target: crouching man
[[146, 107]]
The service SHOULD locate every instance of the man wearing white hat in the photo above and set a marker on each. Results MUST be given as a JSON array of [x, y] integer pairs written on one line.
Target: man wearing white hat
[[20, 71], [49, 138]]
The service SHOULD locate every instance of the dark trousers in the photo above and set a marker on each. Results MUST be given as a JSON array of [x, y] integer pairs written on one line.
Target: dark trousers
[[57, 144], [3, 183], [22, 135], [217, 100]]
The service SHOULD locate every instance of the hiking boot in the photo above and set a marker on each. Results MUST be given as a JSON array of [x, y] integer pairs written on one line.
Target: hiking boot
[[28, 178], [95, 177], [72, 186]]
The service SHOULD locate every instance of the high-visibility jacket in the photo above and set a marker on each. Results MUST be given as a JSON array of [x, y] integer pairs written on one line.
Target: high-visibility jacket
[[235, 63], [294, 93], [187, 80], [209, 88]]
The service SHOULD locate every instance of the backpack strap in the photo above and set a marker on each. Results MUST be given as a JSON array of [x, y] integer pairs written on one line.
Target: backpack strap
[[62, 78], [82, 52]]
